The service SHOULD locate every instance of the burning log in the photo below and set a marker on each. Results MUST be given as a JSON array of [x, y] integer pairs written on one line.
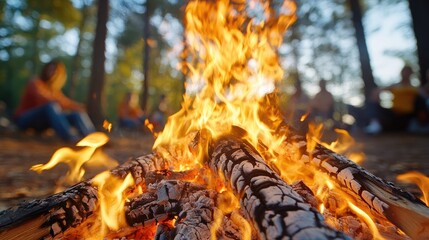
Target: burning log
[[273, 207], [54, 215], [191, 205], [400, 207]]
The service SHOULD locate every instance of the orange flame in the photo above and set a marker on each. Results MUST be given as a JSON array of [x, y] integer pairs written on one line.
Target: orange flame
[[151, 127], [112, 197], [107, 125], [420, 180], [76, 159], [236, 68], [233, 69]]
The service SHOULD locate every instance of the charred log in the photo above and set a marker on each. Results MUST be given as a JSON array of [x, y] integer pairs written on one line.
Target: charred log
[[191, 205], [400, 207], [273, 207], [52, 216]]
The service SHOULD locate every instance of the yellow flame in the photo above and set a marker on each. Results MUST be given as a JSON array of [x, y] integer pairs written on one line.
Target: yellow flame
[[243, 224], [367, 219], [420, 180], [343, 144], [233, 68], [76, 159], [112, 197], [226, 203]]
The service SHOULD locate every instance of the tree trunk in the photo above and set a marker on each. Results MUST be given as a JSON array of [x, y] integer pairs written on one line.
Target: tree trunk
[[35, 49], [77, 57], [95, 110], [419, 13], [146, 54], [368, 78]]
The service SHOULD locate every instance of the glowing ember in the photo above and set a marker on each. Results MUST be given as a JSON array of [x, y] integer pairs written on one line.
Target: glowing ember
[[107, 125], [151, 127]]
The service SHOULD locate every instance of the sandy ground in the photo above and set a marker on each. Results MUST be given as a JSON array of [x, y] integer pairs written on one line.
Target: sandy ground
[[387, 155]]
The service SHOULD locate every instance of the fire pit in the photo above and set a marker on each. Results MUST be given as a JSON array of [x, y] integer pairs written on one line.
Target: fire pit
[[226, 165]]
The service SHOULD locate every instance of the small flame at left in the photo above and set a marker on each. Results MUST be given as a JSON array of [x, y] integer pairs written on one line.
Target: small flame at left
[[87, 154]]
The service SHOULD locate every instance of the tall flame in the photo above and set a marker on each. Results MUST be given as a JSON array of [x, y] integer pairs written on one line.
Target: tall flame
[[112, 199], [233, 67]]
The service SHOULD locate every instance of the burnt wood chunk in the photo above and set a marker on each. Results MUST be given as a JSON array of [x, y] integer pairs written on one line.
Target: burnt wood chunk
[[398, 206], [274, 208]]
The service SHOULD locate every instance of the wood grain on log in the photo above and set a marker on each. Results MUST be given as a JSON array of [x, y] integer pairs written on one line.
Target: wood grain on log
[[273, 207], [400, 207]]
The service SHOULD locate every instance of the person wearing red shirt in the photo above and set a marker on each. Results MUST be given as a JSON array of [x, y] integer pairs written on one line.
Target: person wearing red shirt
[[131, 116], [43, 105]]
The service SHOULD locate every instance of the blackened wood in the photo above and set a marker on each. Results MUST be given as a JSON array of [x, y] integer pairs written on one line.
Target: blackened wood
[[400, 207], [59, 212], [305, 192], [196, 217], [164, 204], [163, 232], [191, 205], [274, 208]]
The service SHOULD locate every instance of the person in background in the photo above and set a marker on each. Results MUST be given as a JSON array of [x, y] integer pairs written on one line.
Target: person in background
[[297, 107], [322, 104], [130, 114], [159, 113], [407, 105], [420, 122], [43, 105]]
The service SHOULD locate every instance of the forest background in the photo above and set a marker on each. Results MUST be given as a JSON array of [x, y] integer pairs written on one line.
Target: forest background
[[114, 47]]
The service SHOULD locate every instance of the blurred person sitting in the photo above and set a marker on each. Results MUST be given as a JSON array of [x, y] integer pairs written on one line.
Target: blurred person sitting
[[322, 104], [159, 113], [43, 105], [297, 107], [420, 122], [407, 105], [131, 116]]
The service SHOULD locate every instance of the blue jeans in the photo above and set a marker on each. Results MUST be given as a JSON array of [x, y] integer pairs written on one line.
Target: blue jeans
[[51, 116], [131, 123]]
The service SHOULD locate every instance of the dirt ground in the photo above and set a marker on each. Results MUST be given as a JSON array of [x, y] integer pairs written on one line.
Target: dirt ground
[[387, 155]]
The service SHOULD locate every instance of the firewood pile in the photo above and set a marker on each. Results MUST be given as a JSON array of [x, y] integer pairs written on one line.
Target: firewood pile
[[260, 204]]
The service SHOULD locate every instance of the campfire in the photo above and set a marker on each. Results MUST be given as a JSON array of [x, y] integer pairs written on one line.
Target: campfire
[[227, 166]]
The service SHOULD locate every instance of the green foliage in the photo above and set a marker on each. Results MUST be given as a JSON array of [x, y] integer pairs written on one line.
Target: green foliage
[[55, 10]]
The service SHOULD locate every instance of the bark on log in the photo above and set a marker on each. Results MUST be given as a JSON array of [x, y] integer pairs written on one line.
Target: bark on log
[[400, 207], [275, 210], [52, 216]]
